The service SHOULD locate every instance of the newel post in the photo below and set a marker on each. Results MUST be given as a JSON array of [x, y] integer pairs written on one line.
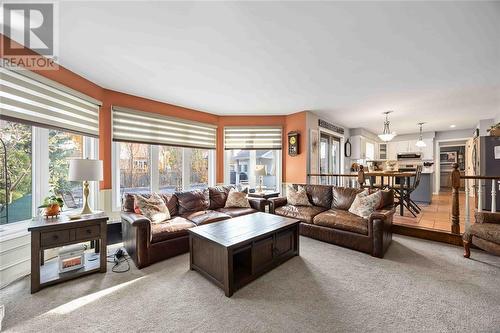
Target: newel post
[[361, 176], [455, 206]]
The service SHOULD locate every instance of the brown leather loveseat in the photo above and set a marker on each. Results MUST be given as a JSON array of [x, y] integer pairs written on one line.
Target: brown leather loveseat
[[329, 220], [147, 243]]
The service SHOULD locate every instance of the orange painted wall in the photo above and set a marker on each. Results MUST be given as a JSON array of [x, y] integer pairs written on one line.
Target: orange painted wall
[[294, 168]]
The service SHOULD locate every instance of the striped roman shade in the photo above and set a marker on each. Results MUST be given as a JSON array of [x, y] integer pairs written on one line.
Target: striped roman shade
[[145, 127], [30, 98], [252, 138]]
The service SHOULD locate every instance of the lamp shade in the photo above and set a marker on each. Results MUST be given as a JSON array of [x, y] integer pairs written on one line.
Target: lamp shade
[[85, 170], [260, 170]]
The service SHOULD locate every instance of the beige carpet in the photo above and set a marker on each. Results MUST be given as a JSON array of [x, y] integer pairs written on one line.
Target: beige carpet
[[420, 286]]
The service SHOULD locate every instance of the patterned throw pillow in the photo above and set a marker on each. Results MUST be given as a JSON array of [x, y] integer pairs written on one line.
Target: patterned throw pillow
[[364, 204], [236, 199], [153, 208], [297, 197]]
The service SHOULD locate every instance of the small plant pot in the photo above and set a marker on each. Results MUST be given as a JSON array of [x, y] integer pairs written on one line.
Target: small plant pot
[[53, 210], [495, 132]]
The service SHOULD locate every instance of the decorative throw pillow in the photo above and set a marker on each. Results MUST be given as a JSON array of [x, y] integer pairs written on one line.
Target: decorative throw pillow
[[236, 199], [153, 208], [364, 204], [297, 197]]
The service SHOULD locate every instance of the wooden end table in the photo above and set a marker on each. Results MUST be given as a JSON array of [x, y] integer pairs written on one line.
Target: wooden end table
[[47, 233]]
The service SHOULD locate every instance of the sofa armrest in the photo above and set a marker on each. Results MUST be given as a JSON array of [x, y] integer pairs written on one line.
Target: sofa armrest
[[136, 235], [136, 220], [379, 227], [258, 203], [382, 214], [487, 217], [275, 203]]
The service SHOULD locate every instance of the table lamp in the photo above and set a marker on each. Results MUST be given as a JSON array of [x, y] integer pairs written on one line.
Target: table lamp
[[85, 170], [260, 172]]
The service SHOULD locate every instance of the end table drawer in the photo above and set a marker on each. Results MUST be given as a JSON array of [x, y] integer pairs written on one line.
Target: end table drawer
[[54, 237], [87, 232]]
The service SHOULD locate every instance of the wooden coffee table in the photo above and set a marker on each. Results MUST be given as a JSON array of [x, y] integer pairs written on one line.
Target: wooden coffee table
[[234, 252]]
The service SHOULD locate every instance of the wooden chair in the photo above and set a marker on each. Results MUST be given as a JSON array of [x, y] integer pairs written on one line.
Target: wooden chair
[[485, 233]]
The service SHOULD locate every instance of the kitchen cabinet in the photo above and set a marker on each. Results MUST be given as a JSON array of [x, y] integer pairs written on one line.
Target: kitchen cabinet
[[409, 146], [363, 148], [358, 147]]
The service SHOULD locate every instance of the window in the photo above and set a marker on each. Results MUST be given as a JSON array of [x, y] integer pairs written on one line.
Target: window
[[37, 165], [170, 169], [134, 167], [16, 187], [64, 146], [158, 168], [241, 166], [198, 168]]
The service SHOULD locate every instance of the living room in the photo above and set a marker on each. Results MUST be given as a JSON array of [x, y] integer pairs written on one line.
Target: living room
[[266, 166]]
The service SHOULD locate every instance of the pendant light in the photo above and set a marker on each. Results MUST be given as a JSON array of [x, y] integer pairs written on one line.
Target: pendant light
[[420, 143], [387, 135]]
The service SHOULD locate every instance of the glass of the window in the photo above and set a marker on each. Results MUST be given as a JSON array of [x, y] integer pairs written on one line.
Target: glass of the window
[[198, 168], [134, 167], [170, 169], [64, 146], [15, 191]]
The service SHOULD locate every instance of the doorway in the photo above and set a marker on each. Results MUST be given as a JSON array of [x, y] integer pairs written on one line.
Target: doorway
[[329, 158]]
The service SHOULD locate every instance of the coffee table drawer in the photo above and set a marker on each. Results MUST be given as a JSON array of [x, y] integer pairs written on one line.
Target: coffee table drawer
[[87, 232], [54, 237]]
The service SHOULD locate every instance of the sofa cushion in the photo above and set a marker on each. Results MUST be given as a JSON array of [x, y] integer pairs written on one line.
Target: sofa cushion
[[234, 212], [154, 207], [365, 204], [343, 220], [218, 196], [343, 197], [172, 228], [319, 195], [297, 197], [486, 231], [192, 201], [128, 201], [303, 213], [236, 199], [205, 216]]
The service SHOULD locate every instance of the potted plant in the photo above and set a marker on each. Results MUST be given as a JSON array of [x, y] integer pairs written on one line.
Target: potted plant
[[52, 205], [495, 130]]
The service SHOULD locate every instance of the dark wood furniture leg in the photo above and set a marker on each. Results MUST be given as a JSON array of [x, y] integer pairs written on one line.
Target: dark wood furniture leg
[[101, 247], [35, 261], [466, 249]]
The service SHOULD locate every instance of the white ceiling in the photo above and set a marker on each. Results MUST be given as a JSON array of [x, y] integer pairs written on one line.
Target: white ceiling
[[436, 62]]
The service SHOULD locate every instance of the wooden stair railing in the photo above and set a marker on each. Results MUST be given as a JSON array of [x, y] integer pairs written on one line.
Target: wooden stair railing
[[478, 194]]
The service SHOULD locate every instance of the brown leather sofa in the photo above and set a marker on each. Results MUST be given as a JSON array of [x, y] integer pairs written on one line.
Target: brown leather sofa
[[329, 220], [147, 243]]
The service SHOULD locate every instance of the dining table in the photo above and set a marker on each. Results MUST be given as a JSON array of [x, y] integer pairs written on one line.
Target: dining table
[[403, 189]]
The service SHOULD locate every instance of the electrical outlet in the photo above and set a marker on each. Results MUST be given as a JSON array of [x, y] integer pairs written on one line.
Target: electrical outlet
[[2, 314]]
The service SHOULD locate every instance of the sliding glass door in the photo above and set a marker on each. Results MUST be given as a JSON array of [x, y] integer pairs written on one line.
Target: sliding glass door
[[329, 158]]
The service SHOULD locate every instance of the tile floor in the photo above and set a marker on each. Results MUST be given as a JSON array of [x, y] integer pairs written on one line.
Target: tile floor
[[437, 215]]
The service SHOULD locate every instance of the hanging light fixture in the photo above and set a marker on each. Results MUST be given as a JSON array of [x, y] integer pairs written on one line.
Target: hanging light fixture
[[387, 135], [420, 143]]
